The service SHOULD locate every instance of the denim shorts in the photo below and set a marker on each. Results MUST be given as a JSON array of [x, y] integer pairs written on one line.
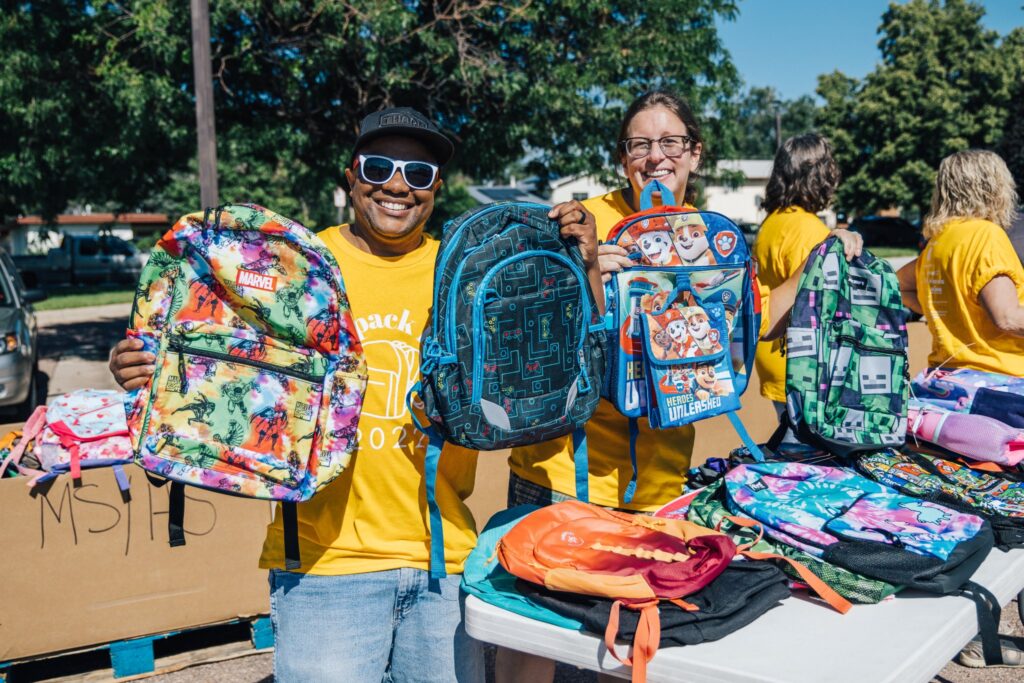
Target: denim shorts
[[394, 625]]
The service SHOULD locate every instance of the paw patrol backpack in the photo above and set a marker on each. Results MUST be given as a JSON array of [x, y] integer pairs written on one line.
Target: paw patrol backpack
[[515, 351], [683, 322], [259, 374]]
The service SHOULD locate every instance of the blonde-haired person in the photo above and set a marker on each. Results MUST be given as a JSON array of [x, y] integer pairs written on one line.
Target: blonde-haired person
[[968, 281], [803, 181], [969, 284]]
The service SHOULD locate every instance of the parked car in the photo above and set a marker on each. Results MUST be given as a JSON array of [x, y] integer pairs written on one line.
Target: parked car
[[749, 231], [82, 259], [19, 352], [887, 231]]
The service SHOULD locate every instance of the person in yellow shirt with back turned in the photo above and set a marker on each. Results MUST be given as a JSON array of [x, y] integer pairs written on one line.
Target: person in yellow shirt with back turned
[[803, 182], [969, 284], [968, 281]]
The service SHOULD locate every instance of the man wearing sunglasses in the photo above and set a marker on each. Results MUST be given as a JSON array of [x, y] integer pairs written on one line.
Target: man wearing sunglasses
[[362, 604]]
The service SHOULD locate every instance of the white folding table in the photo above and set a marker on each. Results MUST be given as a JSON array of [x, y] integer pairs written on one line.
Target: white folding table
[[908, 638]]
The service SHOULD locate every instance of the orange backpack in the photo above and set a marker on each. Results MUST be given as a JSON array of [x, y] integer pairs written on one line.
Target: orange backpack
[[635, 559]]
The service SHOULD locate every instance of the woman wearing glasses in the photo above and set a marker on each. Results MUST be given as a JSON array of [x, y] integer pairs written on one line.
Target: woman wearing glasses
[[659, 139]]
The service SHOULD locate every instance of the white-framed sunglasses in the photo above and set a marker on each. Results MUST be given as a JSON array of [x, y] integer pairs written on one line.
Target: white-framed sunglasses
[[377, 170]]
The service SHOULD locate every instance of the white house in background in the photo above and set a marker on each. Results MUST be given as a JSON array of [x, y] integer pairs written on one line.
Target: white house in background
[[31, 235], [577, 187], [513, 192], [743, 203]]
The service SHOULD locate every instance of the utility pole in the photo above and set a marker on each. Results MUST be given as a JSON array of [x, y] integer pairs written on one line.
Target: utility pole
[[778, 124], [204, 103]]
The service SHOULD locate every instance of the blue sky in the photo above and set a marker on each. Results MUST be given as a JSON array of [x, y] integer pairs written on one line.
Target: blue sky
[[787, 43]]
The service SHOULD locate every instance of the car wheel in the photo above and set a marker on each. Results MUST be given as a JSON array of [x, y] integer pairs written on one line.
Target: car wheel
[[26, 407]]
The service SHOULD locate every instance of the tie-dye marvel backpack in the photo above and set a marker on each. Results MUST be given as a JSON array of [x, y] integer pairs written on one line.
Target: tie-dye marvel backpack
[[847, 378], [683, 323], [259, 370]]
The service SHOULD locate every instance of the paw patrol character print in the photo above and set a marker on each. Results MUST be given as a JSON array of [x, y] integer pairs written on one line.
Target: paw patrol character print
[[703, 337], [654, 239], [708, 384], [676, 381], [691, 241], [672, 336]]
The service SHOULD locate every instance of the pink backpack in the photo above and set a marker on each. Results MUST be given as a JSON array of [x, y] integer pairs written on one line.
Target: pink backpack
[[82, 429]]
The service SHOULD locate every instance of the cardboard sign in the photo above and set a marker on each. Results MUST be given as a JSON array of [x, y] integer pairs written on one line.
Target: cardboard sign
[[83, 566]]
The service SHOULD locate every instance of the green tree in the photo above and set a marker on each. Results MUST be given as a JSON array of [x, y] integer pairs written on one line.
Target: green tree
[[104, 110], [755, 113], [944, 84]]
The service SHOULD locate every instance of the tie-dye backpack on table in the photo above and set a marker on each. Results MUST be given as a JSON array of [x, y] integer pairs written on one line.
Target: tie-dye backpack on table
[[847, 381], [260, 373], [957, 486], [853, 522]]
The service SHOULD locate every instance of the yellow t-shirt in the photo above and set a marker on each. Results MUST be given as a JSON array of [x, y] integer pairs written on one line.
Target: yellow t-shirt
[[663, 456], [782, 246], [951, 272], [374, 516]]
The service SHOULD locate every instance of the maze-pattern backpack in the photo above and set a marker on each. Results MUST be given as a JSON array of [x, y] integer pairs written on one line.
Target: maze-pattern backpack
[[957, 486], [259, 370], [847, 380], [515, 351], [683, 322]]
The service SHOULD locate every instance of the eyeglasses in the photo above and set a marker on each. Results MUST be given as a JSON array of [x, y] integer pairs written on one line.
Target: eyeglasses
[[671, 146], [377, 170]]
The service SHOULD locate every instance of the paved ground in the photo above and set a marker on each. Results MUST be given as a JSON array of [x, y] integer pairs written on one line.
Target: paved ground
[[74, 345]]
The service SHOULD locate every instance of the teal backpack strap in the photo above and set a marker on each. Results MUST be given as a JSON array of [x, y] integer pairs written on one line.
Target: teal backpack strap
[[435, 443], [646, 200], [579, 456], [737, 424]]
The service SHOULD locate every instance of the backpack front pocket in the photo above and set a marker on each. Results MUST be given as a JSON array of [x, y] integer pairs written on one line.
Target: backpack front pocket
[[862, 381], [231, 404]]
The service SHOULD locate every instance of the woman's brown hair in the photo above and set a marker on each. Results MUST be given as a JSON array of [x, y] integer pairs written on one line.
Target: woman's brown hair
[[804, 174]]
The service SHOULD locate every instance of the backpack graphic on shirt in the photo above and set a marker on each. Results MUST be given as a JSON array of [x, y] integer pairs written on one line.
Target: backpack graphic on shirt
[[847, 378], [683, 322], [260, 373]]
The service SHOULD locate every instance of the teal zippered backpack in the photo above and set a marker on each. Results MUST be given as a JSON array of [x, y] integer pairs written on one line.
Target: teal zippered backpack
[[515, 351]]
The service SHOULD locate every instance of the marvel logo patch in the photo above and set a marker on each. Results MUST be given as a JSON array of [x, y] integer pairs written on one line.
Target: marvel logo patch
[[173, 383], [248, 278], [726, 242], [303, 411]]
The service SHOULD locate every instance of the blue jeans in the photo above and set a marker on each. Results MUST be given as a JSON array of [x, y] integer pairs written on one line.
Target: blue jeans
[[394, 625]]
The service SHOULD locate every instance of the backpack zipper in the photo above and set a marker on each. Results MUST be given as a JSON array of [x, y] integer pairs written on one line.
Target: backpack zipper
[[864, 347], [181, 349]]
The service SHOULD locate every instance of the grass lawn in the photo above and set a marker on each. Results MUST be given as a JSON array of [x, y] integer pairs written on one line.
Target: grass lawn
[[84, 296], [889, 252]]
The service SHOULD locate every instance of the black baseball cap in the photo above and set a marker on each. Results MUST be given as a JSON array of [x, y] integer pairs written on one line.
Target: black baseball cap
[[407, 122]]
